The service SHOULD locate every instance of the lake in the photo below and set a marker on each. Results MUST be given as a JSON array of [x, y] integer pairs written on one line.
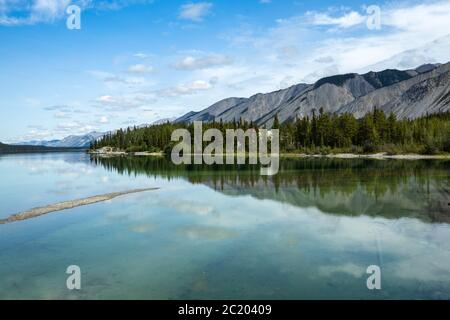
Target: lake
[[221, 232]]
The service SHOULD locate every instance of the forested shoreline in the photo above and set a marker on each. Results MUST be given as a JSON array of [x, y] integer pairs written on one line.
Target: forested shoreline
[[11, 149], [321, 133]]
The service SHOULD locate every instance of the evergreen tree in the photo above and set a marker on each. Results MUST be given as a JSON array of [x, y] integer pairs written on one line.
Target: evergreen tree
[[374, 131], [276, 122]]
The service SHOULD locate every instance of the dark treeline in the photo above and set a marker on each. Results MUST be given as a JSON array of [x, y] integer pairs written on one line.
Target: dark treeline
[[320, 133], [6, 148], [157, 138]]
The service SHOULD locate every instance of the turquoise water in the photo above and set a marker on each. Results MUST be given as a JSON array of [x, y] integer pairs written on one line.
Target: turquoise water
[[226, 233]]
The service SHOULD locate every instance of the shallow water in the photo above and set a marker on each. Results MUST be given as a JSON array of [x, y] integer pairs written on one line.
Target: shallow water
[[226, 233]]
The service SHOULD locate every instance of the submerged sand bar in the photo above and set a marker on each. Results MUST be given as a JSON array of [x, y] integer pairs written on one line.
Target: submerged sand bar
[[36, 212]]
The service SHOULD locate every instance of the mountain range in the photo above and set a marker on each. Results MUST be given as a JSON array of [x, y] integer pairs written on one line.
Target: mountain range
[[74, 141], [407, 93], [79, 141]]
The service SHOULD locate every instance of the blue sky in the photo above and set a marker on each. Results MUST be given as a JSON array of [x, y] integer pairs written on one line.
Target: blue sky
[[138, 61]]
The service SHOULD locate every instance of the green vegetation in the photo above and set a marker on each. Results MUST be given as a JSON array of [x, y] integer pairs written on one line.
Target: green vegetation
[[6, 148], [388, 188], [320, 134]]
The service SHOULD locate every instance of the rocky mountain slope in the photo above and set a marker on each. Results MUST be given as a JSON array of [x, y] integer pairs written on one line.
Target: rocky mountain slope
[[407, 93], [213, 111]]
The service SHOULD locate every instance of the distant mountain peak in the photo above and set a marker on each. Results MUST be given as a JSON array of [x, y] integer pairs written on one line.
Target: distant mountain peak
[[337, 80], [72, 141], [162, 121], [427, 67]]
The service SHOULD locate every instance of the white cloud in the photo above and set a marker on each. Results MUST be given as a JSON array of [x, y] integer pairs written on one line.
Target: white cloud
[[113, 81], [430, 18], [270, 53], [195, 11], [105, 99], [73, 127], [202, 62], [185, 89], [349, 19], [289, 52], [34, 134], [324, 59], [30, 12], [50, 7], [140, 69], [124, 102], [117, 4], [419, 248], [348, 268], [60, 108], [406, 28], [62, 115], [436, 51], [141, 55], [130, 81], [19, 12], [104, 120]]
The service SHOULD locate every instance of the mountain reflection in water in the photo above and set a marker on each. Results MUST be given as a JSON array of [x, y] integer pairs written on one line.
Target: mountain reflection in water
[[387, 188]]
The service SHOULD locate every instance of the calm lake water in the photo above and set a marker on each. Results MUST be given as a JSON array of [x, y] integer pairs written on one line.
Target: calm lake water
[[226, 233]]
